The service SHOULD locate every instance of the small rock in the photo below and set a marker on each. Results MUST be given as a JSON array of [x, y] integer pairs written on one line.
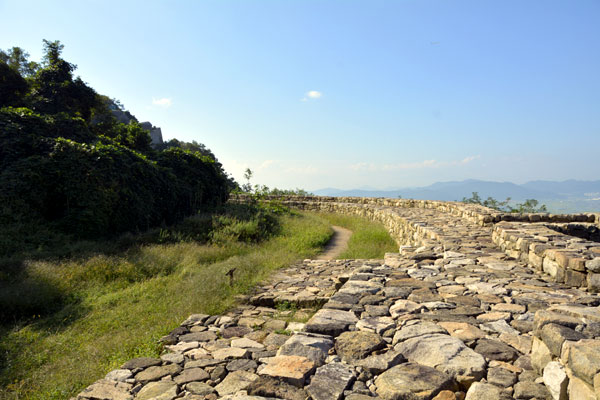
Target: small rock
[[411, 381]]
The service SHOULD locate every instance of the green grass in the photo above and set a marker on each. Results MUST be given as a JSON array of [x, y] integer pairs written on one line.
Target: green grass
[[104, 309], [369, 239]]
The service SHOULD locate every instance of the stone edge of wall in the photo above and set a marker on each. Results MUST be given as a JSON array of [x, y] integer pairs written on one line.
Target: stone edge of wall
[[473, 212], [512, 233], [569, 260]]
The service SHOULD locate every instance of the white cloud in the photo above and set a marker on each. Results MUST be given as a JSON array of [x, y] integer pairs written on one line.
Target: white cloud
[[312, 94], [165, 102], [266, 164], [308, 170], [363, 166]]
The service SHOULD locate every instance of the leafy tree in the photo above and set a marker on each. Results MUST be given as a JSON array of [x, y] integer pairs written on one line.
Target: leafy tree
[[13, 87], [55, 90], [135, 137], [67, 166], [18, 59], [529, 206], [247, 187]]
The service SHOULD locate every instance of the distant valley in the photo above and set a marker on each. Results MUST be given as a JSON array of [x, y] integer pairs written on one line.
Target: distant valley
[[560, 197]]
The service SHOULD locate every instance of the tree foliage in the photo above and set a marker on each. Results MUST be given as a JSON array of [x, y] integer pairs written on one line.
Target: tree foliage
[[67, 165], [529, 206]]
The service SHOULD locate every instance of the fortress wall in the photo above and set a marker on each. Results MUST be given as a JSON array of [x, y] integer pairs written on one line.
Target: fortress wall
[[568, 259], [543, 241]]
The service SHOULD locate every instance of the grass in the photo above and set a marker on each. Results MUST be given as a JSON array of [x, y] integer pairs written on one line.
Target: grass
[[82, 310], [107, 308], [369, 239]]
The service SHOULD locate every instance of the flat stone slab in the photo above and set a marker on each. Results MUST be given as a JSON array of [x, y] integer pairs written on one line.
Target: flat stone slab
[[411, 381], [331, 322], [486, 391], [155, 373], [191, 375], [292, 369], [445, 353], [420, 329], [158, 391], [104, 389], [356, 345], [313, 346], [462, 331], [235, 381], [272, 388], [330, 381]]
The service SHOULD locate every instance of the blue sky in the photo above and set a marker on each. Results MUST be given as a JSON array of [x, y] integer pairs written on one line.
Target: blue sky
[[346, 94]]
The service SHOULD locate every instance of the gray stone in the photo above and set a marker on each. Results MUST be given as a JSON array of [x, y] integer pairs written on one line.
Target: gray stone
[[175, 358], [241, 364], [555, 335], [191, 375], [352, 346], [540, 355], [330, 322], [496, 350], [158, 391], [199, 388], [312, 346], [485, 391], [270, 387], [444, 353], [501, 377], [155, 373], [411, 331], [556, 381], [379, 363], [120, 375], [229, 353], [531, 390], [411, 382], [580, 390], [330, 381], [107, 390], [235, 381], [235, 331], [376, 324], [402, 306], [205, 336], [584, 359], [292, 369]]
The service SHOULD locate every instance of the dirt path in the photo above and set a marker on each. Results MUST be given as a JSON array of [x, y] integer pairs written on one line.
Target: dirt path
[[337, 244]]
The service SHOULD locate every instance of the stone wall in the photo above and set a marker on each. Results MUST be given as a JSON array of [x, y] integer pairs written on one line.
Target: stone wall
[[535, 239], [568, 259]]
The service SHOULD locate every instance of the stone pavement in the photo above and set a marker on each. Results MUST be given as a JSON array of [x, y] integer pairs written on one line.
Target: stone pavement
[[451, 317]]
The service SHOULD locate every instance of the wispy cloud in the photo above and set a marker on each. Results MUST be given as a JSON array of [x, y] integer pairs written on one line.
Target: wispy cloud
[[363, 166], [312, 94], [266, 164], [165, 102], [307, 170]]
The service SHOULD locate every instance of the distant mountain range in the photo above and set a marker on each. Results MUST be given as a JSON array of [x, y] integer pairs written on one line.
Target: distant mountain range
[[566, 196]]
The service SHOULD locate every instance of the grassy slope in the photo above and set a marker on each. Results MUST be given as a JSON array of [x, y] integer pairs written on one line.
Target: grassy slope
[[369, 239], [116, 314]]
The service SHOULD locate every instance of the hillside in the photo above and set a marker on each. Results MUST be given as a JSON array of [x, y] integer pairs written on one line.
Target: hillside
[[70, 170]]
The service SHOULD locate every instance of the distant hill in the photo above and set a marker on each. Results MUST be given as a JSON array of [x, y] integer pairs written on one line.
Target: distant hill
[[566, 196]]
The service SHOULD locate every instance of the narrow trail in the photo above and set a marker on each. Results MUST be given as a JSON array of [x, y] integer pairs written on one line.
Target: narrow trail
[[337, 244]]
